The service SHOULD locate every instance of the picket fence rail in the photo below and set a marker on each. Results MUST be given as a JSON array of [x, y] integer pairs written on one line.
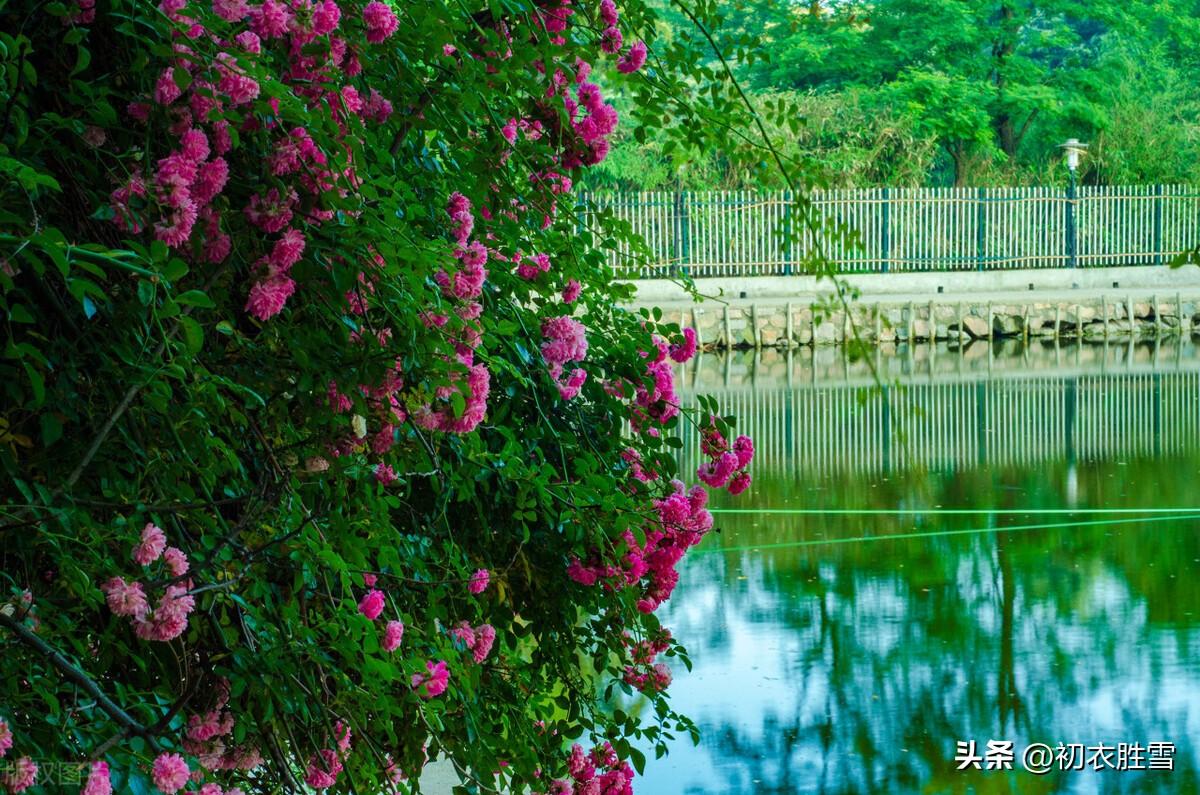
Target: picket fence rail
[[881, 230]]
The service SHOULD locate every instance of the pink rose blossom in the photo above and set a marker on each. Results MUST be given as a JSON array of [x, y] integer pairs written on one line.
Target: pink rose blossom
[[169, 618], [125, 599], [744, 447], [176, 561], [717, 473], [739, 483], [222, 141], [463, 634], [479, 581], [271, 212], [325, 17], [238, 87], [571, 292], [378, 108], [170, 773], [6, 738], [231, 10], [610, 40], [569, 389], [485, 636], [323, 769], [98, 782], [384, 474], [685, 351], [380, 20], [341, 733], [153, 542], [193, 145], [267, 297], [20, 776], [633, 60], [166, 90], [249, 41], [270, 19], [287, 250], [608, 12], [435, 683], [393, 633], [210, 180], [372, 604]]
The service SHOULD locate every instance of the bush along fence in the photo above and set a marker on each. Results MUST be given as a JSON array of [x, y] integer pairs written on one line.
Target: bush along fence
[[881, 230]]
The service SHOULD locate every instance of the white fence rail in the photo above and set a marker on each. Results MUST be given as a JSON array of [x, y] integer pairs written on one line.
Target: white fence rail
[[745, 233]]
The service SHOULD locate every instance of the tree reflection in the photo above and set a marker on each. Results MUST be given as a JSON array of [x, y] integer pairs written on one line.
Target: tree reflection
[[834, 667]]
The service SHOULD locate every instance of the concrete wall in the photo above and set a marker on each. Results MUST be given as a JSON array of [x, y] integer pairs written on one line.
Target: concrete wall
[[1101, 303]]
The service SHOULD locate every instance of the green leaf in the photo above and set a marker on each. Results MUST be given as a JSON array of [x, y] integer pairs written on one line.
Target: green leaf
[[51, 429], [19, 314], [195, 298], [638, 759], [193, 335], [37, 381], [83, 57], [175, 269]]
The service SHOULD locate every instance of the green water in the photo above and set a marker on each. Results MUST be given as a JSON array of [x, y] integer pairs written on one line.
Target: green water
[[848, 651]]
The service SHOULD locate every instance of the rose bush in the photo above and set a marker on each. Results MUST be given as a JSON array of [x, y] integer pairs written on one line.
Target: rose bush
[[328, 447]]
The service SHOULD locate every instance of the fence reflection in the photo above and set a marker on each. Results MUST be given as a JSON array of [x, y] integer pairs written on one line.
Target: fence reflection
[[819, 413]]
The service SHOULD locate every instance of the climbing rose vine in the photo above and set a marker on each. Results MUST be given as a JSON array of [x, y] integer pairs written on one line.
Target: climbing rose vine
[[328, 447]]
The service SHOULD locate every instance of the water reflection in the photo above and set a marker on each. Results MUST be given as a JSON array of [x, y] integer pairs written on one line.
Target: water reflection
[[847, 652]]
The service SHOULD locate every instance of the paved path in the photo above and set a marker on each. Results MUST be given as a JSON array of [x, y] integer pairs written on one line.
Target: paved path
[[1016, 286]]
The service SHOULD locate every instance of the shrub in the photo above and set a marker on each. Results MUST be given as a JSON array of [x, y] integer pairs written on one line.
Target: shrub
[[313, 473]]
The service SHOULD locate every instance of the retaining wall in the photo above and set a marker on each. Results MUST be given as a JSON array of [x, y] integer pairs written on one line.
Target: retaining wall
[[753, 324], [1092, 303]]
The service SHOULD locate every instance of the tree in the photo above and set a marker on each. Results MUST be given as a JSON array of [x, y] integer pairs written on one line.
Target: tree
[[1035, 69], [328, 447]]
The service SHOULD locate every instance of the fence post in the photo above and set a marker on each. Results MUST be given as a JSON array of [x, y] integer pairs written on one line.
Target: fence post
[[787, 233], [674, 203], [1072, 237], [885, 232], [1158, 224], [980, 227], [681, 215]]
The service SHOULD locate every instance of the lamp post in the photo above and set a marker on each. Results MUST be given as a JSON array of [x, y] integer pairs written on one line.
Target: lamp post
[[1074, 150]]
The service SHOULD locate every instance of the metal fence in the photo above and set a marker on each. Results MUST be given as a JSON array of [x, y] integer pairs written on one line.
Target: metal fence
[[743, 233]]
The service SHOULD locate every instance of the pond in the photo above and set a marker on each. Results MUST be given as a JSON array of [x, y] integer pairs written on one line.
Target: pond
[[1000, 545]]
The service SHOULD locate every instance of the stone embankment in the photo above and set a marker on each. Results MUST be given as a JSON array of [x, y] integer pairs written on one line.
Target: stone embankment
[[766, 325], [1104, 303]]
